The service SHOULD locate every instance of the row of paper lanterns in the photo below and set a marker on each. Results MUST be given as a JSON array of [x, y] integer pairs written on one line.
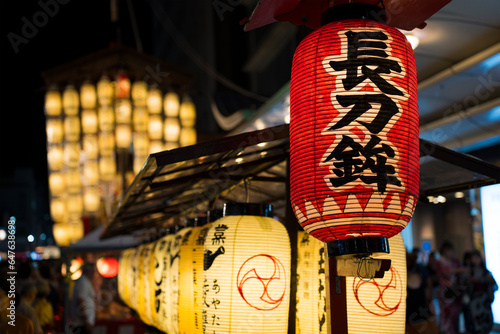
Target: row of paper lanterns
[[233, 276], [88, 127]]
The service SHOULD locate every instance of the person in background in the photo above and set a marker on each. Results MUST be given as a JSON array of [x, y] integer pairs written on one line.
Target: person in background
[[479, 293], [83, 305], [27, 295], [448, 269], [419, 309], [23, 324], [43, 308]]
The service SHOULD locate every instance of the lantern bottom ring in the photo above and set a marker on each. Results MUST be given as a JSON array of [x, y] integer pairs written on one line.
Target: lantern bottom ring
[[360, 245]]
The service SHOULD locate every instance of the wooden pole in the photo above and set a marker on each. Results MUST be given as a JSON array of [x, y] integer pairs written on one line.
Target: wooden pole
[[336, 299]]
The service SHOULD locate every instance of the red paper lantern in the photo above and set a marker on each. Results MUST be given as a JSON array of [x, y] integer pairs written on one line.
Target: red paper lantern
[[354, 131], [107, 267]]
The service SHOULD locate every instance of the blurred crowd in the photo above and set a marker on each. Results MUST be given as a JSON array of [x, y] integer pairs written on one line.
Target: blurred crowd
[[446, 295]]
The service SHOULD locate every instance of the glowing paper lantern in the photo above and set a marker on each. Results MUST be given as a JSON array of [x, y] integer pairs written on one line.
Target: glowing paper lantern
[[247, 275], [123, 135], [54, 127], [72, 128], [172, 129], [72, 154], [191, 281], [122, 89], [53, 103], [61, 233], [88, 95], [70, 101], [187, 137], [141, 144], [187, 112], [155, 146], [123, 111], [154, 101], [91, 199], [162, 317], [107, 266], [57, 209], [143, 292], [56, 184], [140, 119], [354, 132], [378, 306], [107, 167], [106, 119], [171, 104], [91, 172], [90, 146], [139, 93], [104, 91], [73, 181], [155, 127], [55, 157], [106, 143], [124, 273], [311, 285], [89, 121]]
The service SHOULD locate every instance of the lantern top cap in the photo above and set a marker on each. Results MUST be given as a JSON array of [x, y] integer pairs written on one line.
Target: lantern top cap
[[247, 209], [349, 11]]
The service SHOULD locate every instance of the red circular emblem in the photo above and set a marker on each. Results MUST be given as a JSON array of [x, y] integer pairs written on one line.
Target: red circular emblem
[[262, 282]]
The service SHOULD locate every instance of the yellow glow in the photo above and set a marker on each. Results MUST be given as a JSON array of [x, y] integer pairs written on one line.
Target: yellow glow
[[53, 103], [123, 136], [61, 236], [187, 113], [154, 101], [106, 143], [414, 40], [91, 172], [91, 199], [140, 119], [88, 95], [72, 154], [56, 184], [72, 128], [172, 129], [55, 157], [139, 93], [107, 167], [55, 131], [74, 205], [70, 101], [139, 161], [73, 180], [155, 127], [123, 111], [141, 144], [90, 146], [89, 121], [106, 119], [57, 209], [155, 146], [187, 137], [74, 268], [104, 91], [171, 104]]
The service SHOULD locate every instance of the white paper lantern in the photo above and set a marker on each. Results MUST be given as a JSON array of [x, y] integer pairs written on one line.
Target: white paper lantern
[[72, 154], [72, 128], [154, 101], [90, 146], [55, 157], [140, 119], [171, 129], [171, 104], [123, 136], [106, 119], [247, 276], [191, 281], [311, 285], [57, 184], [378, 306], [104, 91], [107, 167], [91, 199], [162, 318], [155, 127], [123, 111], [89, 121], [143, 292]]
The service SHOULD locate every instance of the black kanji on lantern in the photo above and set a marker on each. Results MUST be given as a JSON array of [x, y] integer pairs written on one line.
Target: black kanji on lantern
[[363, 50], [351, 165], [363, 103]]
